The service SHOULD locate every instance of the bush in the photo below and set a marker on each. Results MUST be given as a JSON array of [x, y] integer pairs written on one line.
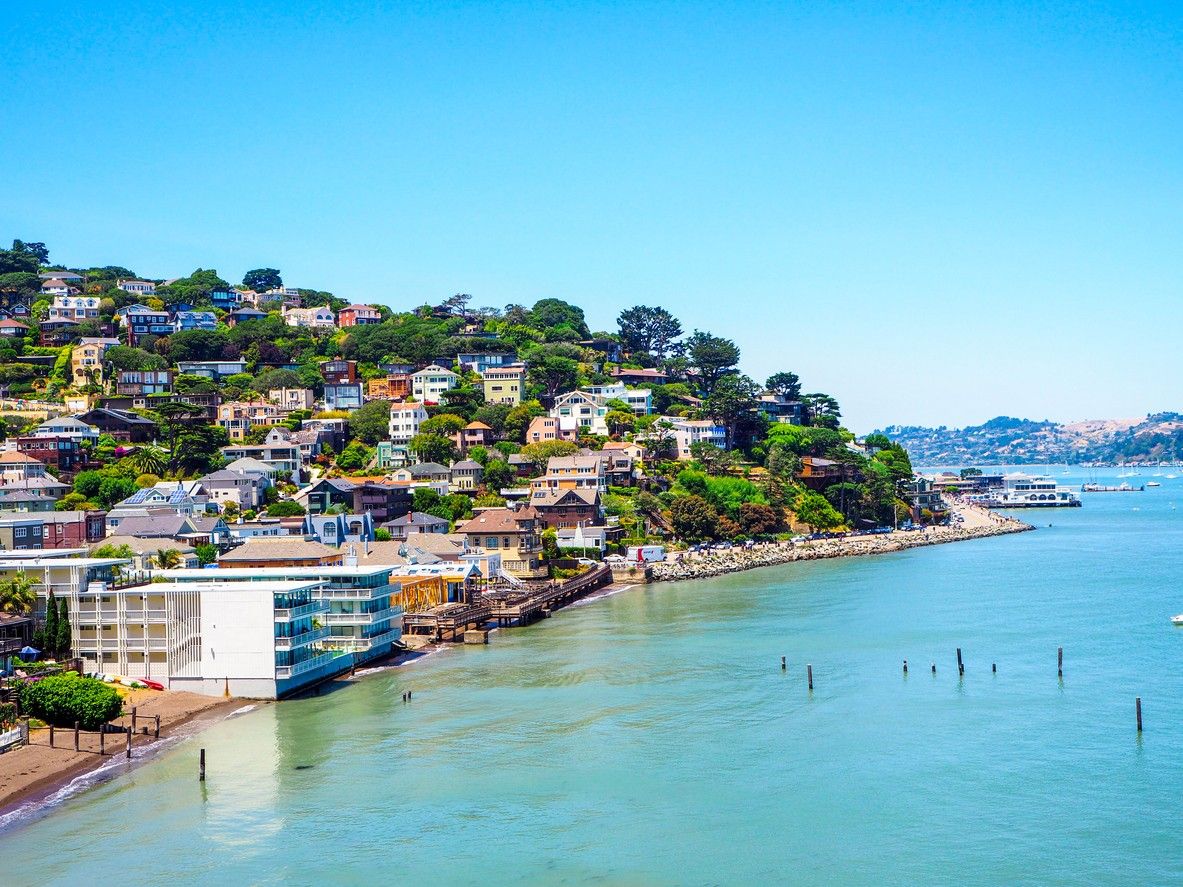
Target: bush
[[63, 699]]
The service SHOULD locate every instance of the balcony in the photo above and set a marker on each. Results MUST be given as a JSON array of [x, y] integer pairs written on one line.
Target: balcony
[[352, 594], [146, 643], [288, 614], [361, 645], [301, 640], [145, 615], [362, 618], [285, 672]]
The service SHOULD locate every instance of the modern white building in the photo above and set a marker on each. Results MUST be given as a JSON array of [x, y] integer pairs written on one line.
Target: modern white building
[[688, 432], [405, 419], [431, 383], [639, 400], [588, 410]]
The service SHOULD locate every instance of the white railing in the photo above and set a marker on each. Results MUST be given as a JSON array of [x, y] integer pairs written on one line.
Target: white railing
[[301, 639], [362, 618], [302, 610], [283, 672]]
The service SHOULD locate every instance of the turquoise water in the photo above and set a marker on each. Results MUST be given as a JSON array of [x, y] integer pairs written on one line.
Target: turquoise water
[[650, 737]]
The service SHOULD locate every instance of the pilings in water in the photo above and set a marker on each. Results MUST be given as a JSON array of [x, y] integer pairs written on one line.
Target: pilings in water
[[960, 665], [1138, 711], [809, 673], [201, 766]]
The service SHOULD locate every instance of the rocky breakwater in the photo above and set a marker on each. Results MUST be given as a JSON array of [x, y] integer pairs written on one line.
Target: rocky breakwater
[[716, 563]]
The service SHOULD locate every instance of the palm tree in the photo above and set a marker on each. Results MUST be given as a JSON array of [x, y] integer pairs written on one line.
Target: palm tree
[[18, 595], [148, 460], [167, 559]]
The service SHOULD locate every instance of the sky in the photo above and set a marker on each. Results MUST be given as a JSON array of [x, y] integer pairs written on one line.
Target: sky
[[935, 212]]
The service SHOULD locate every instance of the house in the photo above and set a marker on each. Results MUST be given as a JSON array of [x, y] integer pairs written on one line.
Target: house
[[293, 398], [587, 410], [358, 315], [76, 308], [195, 320], [243, 488], [141, 321], [67, 276], [276, 451], [505, 384], [244, 314], [339, 372], [251, 465], [150, 523], [141, 383], [609, 348], [466, 476], [481, 362], [565, 507], [241, 529], [239, 417], [923, 495], [212, 369], [58, 332], [325, 493], [67, 426], [631, 449], [474, 434], [225, 300], [16, 633], [64, 454], [145, 552], [347, 396], [639, 377], [18, 499], [393, 387], [405, 419], [11, 329], [688, 432], [583, 537], [314, 318], [547, 428], [416, 523], [21, 533], [639, 400], [778, 408], [122, 426], [86, 360], [581, 471], [72, 529], [337, 529], [512, 534], [431, 383], [17, 467], [334, 432], [180, 497], [818, 473], [137, 287], [291, 551]]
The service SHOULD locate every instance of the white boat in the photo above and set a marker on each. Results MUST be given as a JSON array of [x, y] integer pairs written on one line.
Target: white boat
[[1153, 483], [1024, 491], [1177, 620]]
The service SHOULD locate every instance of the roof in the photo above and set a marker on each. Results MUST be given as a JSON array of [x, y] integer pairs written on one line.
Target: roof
[[550, 498], [144, 545], [360, 308], [497, 520], [395, 552], [477, 426], [67, 422], [278, 548], [406, 406], [467, 465], [225, 474], [416, 517], [249, 465], [12, 457], [154, 526], [205, 523], [424, 469], [439, 544], [578, 460], [12, 324], [119, 416], [178, 495]]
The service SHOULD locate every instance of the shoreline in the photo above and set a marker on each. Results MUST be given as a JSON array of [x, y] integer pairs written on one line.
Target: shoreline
[[977, 523]]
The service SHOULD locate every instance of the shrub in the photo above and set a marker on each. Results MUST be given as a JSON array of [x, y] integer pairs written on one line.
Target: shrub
[[63, 699]]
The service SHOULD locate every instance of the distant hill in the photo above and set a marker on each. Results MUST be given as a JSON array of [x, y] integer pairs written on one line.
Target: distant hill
[[1156, 438]]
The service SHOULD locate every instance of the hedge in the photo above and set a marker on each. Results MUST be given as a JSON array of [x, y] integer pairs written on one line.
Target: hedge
[[63, 699]]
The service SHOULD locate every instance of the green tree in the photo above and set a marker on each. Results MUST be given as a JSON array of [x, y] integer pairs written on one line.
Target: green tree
[[114, 489], [206, 554], [166, 559], [285, 508], [555, 313], [732, 403], [541, 452], [18, 594], [370, 423], [197, 345], [498, 475], [814, 511], [554, 372], [262, 279], [382, 535], [66, 699], [148, 460], [786, 385], [821, 410], [713, 357], [443, 424], [518, 419], [649, 331], [693, 518], [50, 627], [64, 637], [432, 448]]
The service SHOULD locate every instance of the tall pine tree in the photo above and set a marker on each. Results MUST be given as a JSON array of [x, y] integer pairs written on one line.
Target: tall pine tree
[[51, 625], [65, 637]]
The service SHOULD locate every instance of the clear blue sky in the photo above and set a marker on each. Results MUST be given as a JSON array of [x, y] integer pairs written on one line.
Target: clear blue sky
[[934, 213]]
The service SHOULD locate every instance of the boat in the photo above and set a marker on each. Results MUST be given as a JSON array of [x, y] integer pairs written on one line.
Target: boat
[[1025, 491], [1120, 488], [152, 685], [1153, 483], [1177, 620]]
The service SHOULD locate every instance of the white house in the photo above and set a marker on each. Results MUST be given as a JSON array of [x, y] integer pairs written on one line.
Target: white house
[[317, 318], [137, 287], [688, 432], [587, 410], [405, 419], [639, 400], [432, 382], [68, 307]]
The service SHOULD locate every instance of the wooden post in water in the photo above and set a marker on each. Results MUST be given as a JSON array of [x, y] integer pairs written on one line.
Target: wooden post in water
[[960, 666], [76, 726], [809, 672], [994, 667], [783, 665], [201, 767], [934, 668], [905, 666], [1138, 711], [157, 727], [129, 743], [1060, 661]]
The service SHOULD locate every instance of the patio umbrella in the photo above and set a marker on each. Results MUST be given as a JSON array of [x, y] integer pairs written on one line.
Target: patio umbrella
[[28, 653]]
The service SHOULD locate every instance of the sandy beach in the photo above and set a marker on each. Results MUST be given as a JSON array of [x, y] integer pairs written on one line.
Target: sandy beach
[[36, 770]]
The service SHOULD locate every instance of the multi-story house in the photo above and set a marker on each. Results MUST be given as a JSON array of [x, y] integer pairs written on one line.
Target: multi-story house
[[243, 488], [140, 321], [339, 372], [358, 315], [582, 471], [59, 288], [277, 451], [226, 300], [779, 408], [12, 329], [239, 417], [688, 432], [141, 383], [243, 314], [466, 476], [313, 318], [86, 360], [559, 508], [64, 454], [195, 320], [393, 387], [16, 467], [343, 396], [121, 425], [474, 434], [337, 529], [481, 361], [67, 426], [212, 369], [587, 410], [293, 398], [639, 400], [513, 534], [405, 419], [68, 307], [547, 428], [505, 384], [137, 287], [431, 383]]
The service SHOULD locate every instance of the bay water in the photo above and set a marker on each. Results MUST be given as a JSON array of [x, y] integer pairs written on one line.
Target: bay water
[[651, 737]]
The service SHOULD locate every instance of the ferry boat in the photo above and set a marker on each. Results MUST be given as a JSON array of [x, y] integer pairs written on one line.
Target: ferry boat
[[1024, 491], [1120, 488]]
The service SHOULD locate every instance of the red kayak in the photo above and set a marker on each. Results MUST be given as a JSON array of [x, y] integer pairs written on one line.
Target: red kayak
[[152, 685]]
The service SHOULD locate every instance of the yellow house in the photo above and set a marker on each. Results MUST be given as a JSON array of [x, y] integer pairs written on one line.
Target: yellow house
[[505, 384], [86, 360]]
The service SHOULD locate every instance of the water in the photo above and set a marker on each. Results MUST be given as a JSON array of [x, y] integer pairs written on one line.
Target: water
[[651, 738]]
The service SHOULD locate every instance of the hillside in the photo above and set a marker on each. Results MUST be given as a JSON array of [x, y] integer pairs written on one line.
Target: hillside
[[1005, 440]]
